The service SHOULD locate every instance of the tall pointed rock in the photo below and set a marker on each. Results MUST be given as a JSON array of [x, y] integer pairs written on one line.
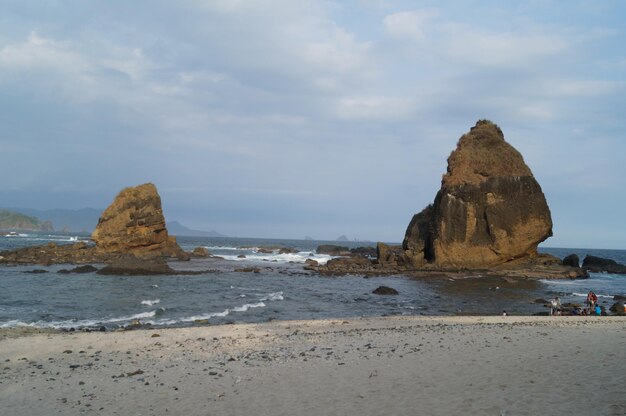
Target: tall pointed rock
[[489, 210]]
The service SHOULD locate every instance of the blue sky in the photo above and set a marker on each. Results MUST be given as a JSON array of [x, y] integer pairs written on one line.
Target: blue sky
[[291, 118]]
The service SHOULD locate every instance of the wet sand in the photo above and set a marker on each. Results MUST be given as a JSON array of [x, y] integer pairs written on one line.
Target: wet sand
[[366, 366]]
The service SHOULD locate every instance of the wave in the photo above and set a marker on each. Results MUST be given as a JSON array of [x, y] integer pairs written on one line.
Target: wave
[[584, 295], [300, 257], [273, 297], [84, 323], [144, 316], [150, 302]]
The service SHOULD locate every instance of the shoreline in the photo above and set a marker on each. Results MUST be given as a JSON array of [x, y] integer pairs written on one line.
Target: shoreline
[[394, 365]]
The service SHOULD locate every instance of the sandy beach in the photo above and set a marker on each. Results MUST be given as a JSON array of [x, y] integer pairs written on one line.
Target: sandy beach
[[364, 366]]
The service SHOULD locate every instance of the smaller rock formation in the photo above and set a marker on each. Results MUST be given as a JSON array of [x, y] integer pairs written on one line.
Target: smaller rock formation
[[599, 264], [131, 237], [134, 224]]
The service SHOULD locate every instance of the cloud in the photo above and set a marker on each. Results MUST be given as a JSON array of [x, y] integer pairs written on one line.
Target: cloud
[[312, 111], [409, 24]]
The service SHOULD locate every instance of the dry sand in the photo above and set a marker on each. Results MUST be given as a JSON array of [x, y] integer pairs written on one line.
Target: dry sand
[[374, 366]]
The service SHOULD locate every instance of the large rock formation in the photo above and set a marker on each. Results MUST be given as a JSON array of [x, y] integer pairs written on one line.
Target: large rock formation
[[490, 209], [134, 224]]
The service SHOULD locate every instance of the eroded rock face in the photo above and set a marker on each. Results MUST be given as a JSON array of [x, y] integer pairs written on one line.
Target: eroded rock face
[[134, 224], [489, 210]]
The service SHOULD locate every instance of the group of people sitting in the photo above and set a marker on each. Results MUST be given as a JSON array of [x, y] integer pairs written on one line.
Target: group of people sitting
[[591, 308]]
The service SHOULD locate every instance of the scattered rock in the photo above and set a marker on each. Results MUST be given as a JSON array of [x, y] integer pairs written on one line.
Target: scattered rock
[[311, 262], [384, 290], [288, 250], [333, 250], [249, 270], [241, 256], [599, 264], [572, 261], [36, 271], [79, 270], [369, 252], [200, 252]]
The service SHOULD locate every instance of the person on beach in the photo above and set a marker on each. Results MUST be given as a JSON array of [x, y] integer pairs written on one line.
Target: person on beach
[[591, 300], [555, 306]]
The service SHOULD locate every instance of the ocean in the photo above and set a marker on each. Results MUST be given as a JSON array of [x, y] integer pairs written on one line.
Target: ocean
[[282, 290]]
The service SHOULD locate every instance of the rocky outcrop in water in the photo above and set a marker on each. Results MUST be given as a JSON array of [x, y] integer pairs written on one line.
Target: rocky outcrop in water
[[489, 210], [490, 214], [134, 224], [132, 227], [599, 264]]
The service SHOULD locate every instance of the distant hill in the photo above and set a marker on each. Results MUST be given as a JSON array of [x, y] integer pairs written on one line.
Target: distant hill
[[176, 228], [10, 220], [66, 220], [342, 238]]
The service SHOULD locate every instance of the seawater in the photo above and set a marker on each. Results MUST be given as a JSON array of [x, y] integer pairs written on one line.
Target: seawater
[[280, 291]]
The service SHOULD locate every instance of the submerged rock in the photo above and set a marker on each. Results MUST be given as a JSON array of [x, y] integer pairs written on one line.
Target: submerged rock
[[129, 265], [384, 290], [79, 270]]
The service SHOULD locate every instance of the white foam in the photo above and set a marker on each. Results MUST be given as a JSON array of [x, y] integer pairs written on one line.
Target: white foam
[[584, 295], [300, 257], [244, 308], [273, 297], [72, 323], [150, 302]]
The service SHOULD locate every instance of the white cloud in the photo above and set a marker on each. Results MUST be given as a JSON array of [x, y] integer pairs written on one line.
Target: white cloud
[[466, 45], [409, 24], [379, 108]]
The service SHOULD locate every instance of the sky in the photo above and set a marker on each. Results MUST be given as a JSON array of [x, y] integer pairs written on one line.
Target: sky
[[285, 119]]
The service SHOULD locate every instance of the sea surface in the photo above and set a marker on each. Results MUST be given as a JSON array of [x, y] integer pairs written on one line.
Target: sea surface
[[282, 289]]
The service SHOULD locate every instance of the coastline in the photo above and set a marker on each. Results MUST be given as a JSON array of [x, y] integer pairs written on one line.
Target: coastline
[[394, 365]]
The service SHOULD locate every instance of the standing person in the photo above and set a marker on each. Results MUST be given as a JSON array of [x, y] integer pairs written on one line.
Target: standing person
[[589, 300], [553, 306], [559, 308]]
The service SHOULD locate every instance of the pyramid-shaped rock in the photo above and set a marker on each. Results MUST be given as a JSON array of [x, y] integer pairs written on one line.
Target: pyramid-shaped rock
[[489, 210], [134, 224]]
